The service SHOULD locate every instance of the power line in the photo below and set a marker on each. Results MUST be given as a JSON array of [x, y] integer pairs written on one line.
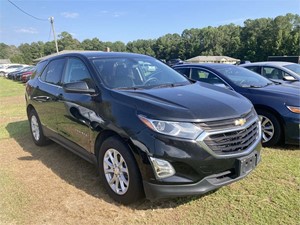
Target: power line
[[26, 12]]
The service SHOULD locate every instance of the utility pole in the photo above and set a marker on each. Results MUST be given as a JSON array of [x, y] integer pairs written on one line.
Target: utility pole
[[52, 25]]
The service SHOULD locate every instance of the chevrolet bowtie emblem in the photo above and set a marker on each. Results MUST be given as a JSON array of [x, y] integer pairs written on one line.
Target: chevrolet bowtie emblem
[[240, 122]]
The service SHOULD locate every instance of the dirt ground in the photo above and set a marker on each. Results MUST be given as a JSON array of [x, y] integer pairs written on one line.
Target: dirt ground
[[51, 185]]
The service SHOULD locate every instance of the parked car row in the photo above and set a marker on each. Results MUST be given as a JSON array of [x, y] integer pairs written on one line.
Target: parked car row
[[6, 69], [22, 74], [278, 106]]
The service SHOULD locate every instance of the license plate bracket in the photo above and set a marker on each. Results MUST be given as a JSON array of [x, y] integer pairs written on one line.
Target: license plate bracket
[[247, 164]]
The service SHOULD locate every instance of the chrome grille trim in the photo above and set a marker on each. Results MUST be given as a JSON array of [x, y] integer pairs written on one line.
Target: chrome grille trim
[[226, 123], [238, 132]]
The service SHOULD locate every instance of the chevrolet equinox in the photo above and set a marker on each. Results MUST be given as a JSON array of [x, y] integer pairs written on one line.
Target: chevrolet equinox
[[150, 130]]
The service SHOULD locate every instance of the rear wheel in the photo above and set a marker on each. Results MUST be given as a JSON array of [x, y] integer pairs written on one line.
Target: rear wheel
[[36, 129], [119, 171], [271, 130]]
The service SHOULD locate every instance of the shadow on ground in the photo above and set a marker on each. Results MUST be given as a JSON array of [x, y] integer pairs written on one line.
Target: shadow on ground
[[75, 170]]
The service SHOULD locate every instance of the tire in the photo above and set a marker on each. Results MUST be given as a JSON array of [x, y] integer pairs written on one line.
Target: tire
[[271, 129], [122, 182], [36, 129], [2, 74]]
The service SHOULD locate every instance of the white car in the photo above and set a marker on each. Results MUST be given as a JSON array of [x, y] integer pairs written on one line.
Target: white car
[[11, 68], [282, 72]]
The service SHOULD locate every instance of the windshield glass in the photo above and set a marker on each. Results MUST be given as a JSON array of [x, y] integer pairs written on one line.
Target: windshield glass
[[293, 67], [137, 73], [243, 77]]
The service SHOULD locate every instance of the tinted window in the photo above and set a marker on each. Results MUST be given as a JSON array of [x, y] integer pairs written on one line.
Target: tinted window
[[75, 71], [53, 72], [207, 77], [185, 71], [39, 68], [138, 72], [255, 69]]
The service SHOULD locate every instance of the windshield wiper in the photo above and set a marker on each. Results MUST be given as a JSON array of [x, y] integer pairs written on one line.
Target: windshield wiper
[[129, 88], [169, 85], [251, 86]]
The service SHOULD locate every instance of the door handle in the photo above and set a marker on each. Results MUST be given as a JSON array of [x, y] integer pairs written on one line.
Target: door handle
[[41, 98]]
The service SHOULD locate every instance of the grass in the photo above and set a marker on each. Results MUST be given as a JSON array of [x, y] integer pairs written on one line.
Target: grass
[[9, 89], [13, 198], [269, 195]]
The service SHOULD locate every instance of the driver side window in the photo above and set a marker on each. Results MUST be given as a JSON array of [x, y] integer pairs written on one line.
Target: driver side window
[[76, 71], [274, 73]]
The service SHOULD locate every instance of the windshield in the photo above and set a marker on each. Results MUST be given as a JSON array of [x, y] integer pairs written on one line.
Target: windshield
[[293, 67], [243, 77], [137, 73]]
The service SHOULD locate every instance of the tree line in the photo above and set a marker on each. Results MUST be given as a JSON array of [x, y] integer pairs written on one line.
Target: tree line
[[254, 41]]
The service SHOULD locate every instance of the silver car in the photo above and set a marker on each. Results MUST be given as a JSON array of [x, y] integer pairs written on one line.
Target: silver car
[[283, 72]]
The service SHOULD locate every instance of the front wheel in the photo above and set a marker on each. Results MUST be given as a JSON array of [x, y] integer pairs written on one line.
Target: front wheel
[[36, 129], [271, 130], [119, 171]]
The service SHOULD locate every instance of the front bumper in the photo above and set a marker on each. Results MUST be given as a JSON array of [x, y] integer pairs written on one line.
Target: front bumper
[[292, 129], [209, 183]]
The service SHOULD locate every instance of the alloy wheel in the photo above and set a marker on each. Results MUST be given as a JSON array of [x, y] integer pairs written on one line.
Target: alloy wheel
[[35, 128], [116, 171], [267, 128]]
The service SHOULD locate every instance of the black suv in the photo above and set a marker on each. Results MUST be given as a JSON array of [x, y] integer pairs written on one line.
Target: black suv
[[149, 129]]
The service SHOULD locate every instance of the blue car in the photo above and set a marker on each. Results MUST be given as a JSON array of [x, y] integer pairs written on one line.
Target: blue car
[[277, 105]]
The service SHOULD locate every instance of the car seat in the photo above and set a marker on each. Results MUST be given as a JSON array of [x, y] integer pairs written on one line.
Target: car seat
[[122, 77]]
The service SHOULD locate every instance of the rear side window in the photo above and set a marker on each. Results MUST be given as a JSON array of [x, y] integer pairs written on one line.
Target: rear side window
[[39, 69], [184, 71], [255, 69], [53, 72]]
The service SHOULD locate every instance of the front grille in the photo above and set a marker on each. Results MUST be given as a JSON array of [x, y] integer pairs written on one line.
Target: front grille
[[233, 141], [225, 124]]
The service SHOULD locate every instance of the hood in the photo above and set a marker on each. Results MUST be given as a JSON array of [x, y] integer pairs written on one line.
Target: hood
[[195, 102], [281, 90]]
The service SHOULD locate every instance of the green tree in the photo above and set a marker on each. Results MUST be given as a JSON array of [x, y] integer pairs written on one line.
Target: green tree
[[169, 46], [94, 45], [141, 47], [67, 42]]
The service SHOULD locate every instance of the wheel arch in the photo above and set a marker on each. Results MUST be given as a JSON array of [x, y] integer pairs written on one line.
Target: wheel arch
[[136, 153], [29, 108], [276, 114], [102, 136]]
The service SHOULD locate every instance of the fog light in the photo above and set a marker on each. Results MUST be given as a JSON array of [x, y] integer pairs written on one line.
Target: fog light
[[162, 168]]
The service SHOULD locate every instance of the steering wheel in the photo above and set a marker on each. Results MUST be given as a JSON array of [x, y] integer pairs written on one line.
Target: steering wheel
[[242, 82], [151, 81]]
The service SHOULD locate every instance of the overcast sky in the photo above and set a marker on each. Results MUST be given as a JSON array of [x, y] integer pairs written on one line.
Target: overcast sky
[[125, 21]]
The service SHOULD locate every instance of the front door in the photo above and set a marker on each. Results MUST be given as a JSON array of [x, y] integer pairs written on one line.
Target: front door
[[74, 121]]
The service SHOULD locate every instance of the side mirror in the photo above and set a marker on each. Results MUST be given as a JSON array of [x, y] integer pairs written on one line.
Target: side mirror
[[80, 87], [289, 78]]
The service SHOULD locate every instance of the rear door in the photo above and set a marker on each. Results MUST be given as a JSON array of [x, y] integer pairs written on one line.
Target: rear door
[[46, 94]]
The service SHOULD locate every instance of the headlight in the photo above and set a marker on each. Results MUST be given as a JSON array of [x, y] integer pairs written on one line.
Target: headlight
[[176, 129], [294, 109]]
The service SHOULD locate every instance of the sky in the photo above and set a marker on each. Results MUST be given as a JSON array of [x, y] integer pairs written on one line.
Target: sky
[[127, 20]]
